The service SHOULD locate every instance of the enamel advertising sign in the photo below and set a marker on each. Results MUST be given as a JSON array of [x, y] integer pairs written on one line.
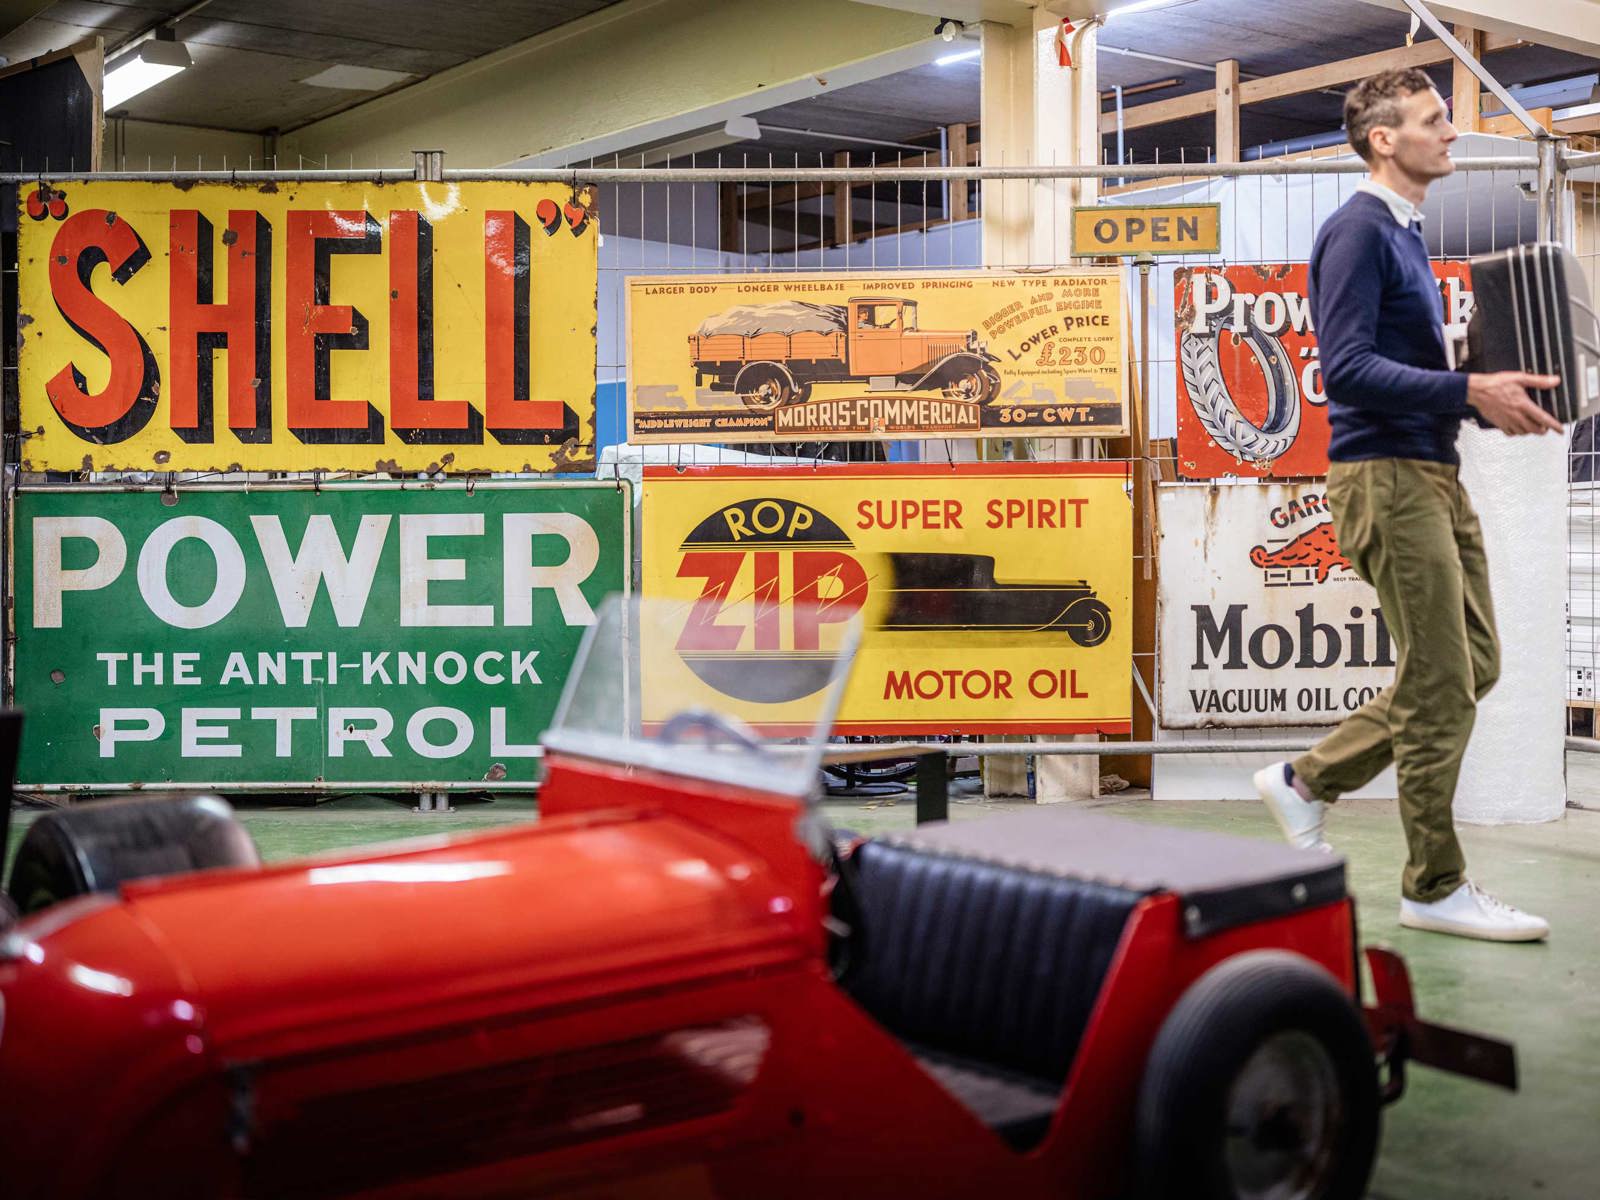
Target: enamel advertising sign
[[291, 637], [1263, 621], [995, 598], [286, 327], [1250, 396], [793, 357]]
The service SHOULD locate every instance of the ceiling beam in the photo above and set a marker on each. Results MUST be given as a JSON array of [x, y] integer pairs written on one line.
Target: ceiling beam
[[1294, 83], [641, 72], [1565, 24]]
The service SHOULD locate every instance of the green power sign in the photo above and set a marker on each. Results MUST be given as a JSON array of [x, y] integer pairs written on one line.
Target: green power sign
[[389, 636]]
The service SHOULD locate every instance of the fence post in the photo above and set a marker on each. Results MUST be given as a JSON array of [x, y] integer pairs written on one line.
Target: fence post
[[933, 787], [429, 165], [1549, 187]]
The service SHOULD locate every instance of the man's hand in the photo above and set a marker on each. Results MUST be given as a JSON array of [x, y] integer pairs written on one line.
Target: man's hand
[[1502, 398]]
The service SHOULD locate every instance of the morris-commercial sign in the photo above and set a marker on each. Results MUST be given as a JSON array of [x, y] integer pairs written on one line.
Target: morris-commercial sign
[[1263, 621], [995, 598], [1250, 397], [292, 637], [828, 357], [284, 327]]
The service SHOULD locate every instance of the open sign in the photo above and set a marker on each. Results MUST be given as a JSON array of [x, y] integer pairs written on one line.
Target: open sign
[[1147, 229]]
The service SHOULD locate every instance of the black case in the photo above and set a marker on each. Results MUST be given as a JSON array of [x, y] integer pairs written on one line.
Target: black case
[[1532, 313]]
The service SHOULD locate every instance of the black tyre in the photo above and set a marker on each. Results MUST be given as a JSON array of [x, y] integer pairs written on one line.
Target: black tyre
[[1088, 622], [971, 384], [765, 388], [1262, 1085], [99, 845]]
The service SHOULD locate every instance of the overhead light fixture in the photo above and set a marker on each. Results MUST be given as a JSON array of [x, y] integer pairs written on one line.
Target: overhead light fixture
[[946, 59], [1139, 6], [743, 129], [140, 71], [344, 77]]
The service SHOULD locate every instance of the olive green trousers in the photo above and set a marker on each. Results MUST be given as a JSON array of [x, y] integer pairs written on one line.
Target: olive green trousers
[[1409, 530]]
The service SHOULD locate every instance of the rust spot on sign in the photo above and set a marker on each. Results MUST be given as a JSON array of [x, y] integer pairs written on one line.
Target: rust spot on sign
[[571, 456]]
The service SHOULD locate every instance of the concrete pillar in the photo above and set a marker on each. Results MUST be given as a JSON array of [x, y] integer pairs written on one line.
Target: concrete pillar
[[1036, 112]]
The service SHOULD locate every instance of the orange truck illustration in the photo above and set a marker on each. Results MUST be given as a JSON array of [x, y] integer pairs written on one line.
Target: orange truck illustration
[[772, 354]]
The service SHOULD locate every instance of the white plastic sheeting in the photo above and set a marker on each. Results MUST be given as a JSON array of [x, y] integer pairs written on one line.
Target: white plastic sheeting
[[1515, 765], [1583, 556]]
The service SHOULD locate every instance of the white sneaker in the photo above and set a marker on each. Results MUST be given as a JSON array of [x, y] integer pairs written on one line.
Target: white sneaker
[[1299, 818], [1469, 911]]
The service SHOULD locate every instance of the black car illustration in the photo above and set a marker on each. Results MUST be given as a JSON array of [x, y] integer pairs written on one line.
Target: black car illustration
[[958, 591]]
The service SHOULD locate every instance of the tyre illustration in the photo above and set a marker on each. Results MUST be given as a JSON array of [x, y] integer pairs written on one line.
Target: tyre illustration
[[1216, 407], [1088, 622], [1261, 1082], [764, 388]]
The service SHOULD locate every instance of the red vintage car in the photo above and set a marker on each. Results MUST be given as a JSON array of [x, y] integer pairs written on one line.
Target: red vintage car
[[680, 983]]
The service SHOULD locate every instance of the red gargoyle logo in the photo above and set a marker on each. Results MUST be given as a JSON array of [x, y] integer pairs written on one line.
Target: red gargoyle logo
[[44, 201], [1317, 548]]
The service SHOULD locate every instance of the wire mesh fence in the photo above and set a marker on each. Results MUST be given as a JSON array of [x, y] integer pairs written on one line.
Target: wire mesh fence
[[872, 216]]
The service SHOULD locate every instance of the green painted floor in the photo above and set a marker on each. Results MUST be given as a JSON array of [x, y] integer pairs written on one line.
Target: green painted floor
[[1449, 1139]]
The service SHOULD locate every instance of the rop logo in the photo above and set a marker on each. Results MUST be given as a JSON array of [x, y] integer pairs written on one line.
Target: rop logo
[[779, 585]]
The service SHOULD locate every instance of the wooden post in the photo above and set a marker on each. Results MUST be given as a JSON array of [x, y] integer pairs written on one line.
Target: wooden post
[[1228, 111], [1465, 90], [956, 142], [729, 212], [843, 226]]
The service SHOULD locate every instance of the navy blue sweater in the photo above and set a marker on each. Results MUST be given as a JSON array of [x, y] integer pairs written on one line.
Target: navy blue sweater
[[1375, 304]]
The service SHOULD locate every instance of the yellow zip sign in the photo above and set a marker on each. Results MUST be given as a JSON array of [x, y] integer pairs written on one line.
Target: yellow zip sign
[[1147, 229]]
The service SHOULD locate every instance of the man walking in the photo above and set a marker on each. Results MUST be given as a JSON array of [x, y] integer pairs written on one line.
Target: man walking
[[1403, 520]]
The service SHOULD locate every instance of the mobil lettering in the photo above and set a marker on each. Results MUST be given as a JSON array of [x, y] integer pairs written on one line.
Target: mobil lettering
[[224, 293], [777, 585], [1233, 642]]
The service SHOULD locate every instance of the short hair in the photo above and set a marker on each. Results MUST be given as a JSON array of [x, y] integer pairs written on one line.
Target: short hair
[[1376, 101]]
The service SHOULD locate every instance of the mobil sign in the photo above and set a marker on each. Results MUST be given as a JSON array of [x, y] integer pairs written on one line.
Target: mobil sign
[[1263, 621]]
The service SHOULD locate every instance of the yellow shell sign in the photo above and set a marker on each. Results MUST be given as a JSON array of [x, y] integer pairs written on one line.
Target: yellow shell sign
[[298, 326], [994, 598]]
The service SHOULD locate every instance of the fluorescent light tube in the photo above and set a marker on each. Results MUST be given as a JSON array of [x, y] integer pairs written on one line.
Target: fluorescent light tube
[[142, 70]]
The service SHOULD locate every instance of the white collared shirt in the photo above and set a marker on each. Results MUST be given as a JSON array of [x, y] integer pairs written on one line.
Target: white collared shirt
[[1404, 211]]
